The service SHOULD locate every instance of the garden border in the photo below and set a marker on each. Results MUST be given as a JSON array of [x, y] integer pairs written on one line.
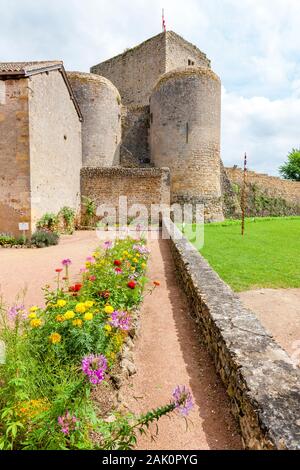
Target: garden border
[[260, 379]]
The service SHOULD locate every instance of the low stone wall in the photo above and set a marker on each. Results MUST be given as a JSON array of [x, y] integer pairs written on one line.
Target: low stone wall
[[144, 186], [258, 375], [265, 195]]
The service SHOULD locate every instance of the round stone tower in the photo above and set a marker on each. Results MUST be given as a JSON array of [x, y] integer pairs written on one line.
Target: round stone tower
[[185, 110], [100, 104]]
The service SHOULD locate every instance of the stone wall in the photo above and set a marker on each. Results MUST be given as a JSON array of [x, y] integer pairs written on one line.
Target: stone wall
[[135, 72], [55, 145], [185, 116], [263, 386], [135, 128], [14, 156], [266, 195], [141, 185], [181, 53], [100, 104]]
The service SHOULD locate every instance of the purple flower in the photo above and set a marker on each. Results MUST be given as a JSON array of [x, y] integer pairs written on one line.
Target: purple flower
[[67, 423], [94, 367], [15, 311], [141, 249], [183, 400], [83, 270], [107, 245], [66, 262], [91, 259], [120, 320]]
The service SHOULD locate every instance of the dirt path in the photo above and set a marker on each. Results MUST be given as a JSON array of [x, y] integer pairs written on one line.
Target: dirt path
[[31, 269], [168, 353], [279, 312]]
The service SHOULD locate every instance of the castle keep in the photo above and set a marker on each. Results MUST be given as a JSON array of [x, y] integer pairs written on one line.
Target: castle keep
[[144, 124]]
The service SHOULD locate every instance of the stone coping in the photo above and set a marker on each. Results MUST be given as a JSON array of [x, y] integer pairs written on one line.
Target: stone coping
[[122, 172], [260, 378]]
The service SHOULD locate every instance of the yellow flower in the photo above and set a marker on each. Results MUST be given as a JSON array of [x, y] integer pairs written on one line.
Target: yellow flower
[[96, 254], [132, 268], [88, 316], [55, 338], [77, 322], [89, 303], [137, 255], [33, 309], [35, 323], [60, 318], [108, 309], [32, 315], [61, 303], [112, 356], [69, 315], [107, 328], [80, 308], [135, 260], [125, 253], [144, 265], [129, 256]]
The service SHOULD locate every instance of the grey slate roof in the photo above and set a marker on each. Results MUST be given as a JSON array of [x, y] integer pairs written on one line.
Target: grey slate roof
[[16, 70]]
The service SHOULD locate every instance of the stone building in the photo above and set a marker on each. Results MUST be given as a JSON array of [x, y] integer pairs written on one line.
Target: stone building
[[144, 124], [40, 143]]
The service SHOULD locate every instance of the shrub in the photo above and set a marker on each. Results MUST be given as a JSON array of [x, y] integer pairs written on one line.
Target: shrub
[[42, 238], [90, 210], [6, 239], [49, 221], [68, 217]]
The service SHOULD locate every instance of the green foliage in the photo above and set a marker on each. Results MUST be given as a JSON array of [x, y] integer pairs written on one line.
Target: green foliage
[[6, 239], [291, 169], [68, 215], [41, 379], [43, 238], [89, 210], [267, 256], [48, 221]]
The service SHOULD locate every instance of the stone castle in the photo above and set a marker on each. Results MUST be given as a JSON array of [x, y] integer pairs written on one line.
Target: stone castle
[[144, 124]]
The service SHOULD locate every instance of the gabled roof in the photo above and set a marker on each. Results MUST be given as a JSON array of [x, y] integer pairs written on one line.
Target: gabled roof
[[16, 70]]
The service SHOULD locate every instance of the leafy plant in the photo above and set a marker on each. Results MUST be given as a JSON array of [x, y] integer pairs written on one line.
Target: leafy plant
[[6, 239], [291, 169], [89, 210], [48, 221], [68, 215], [42, 238]]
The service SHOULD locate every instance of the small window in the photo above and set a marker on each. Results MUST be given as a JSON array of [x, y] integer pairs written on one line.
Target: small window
[[191, 62]]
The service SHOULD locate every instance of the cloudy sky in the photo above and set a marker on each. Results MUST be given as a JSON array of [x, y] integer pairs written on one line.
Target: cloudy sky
[[254, 46]]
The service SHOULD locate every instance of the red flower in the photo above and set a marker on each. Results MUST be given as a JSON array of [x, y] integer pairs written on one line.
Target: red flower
[[75, 288], [118, 270], [104, 294], [117, 262], [58, 270], [131, 284], [156, 283], [92, 278]]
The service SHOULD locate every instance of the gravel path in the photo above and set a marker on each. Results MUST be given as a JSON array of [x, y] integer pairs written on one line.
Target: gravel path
[[167, 351]]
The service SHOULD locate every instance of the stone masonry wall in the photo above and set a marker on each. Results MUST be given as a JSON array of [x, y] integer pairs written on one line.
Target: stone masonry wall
[[267, 195], [141, 185], [135, 72], [179, 52], [55, 145], [260, 380], [135, 128], [14, 155]]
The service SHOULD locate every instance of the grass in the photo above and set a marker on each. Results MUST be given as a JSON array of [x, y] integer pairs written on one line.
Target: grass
[[267, 257]]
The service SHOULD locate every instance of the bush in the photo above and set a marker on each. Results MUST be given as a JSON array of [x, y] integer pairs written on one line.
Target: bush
[[6, 239], [42, 238], [67, 214], [49, 221]]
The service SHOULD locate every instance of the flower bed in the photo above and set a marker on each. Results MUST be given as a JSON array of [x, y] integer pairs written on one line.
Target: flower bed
[[57, 356]]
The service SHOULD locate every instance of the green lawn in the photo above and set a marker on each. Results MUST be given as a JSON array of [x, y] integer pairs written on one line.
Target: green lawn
[[267, 256]]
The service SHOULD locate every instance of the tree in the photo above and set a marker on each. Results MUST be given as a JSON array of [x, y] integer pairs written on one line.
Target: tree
[[291, 169]]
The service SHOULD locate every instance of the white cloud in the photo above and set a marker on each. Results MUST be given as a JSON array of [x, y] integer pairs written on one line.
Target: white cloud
[[254, 46]]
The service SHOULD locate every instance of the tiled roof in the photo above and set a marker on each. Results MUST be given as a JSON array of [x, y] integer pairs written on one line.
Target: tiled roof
[[28, 68], [18, 70]]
